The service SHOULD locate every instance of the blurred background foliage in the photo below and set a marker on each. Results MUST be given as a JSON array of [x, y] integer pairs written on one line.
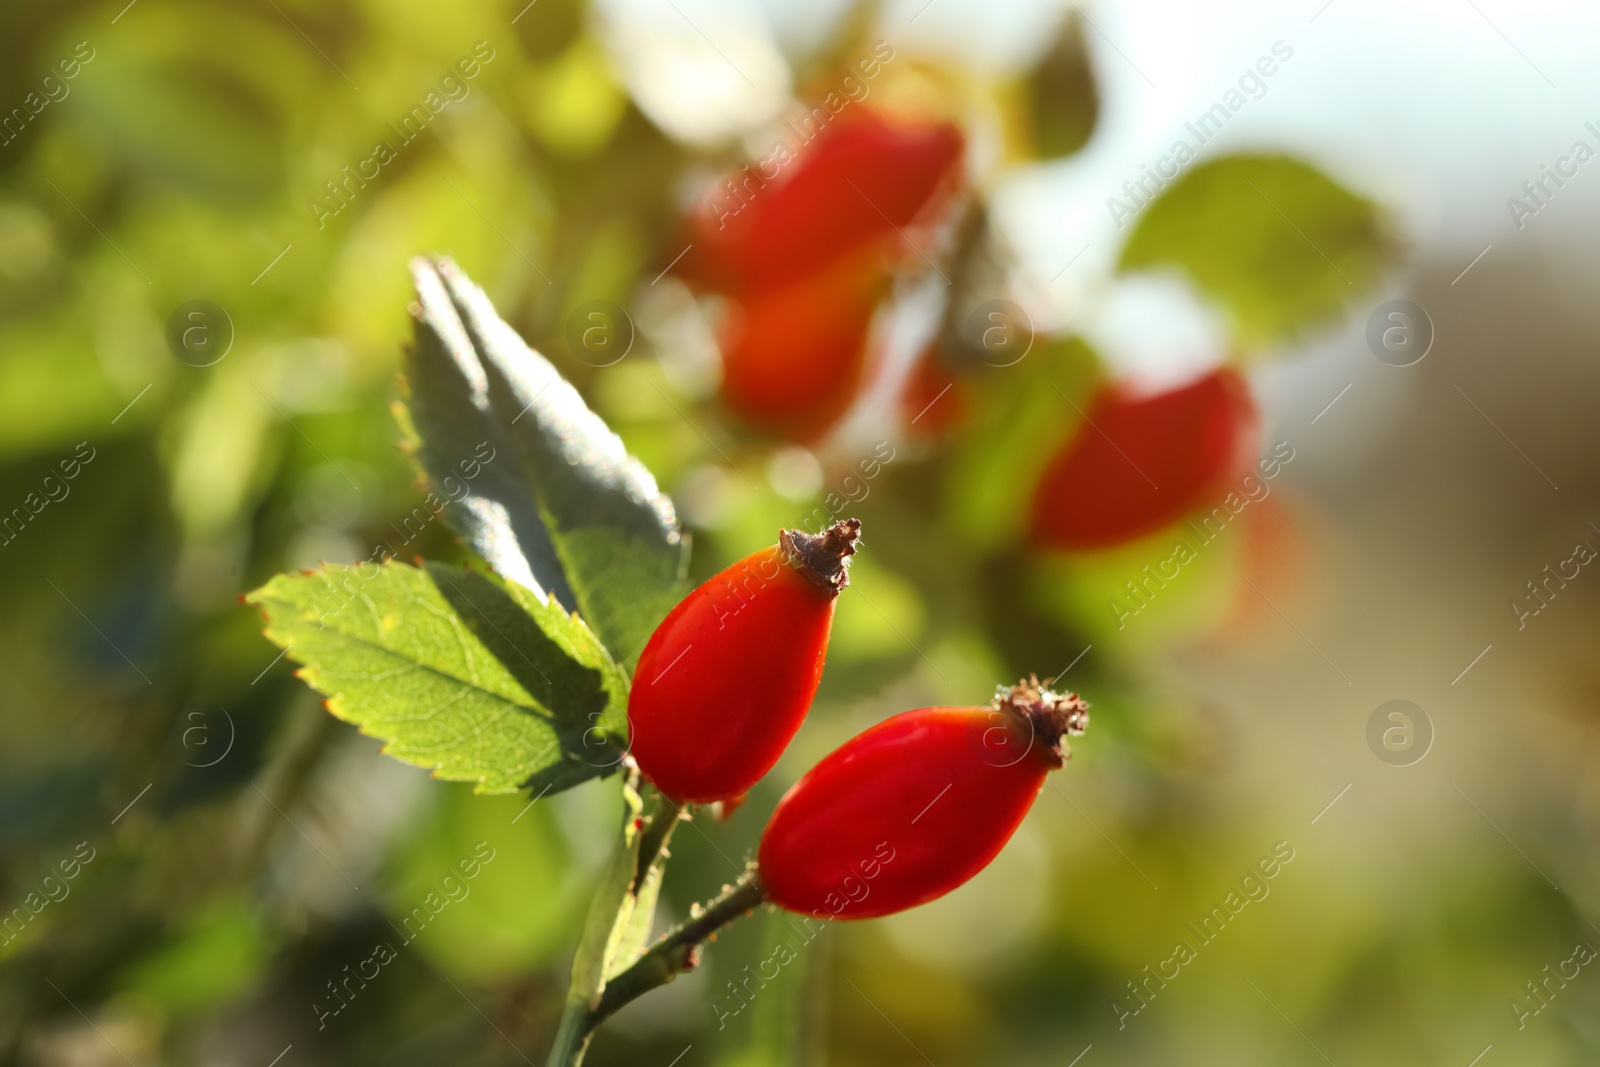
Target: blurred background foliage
[[248, 851]]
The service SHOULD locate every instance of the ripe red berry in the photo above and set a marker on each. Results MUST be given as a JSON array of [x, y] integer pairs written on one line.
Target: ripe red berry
[[857, 182], [793, 357], [915, 806], [1137, 463], [727, 678]]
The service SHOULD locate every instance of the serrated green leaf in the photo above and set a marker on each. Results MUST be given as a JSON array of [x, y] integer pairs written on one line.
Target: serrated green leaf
[[567, 511], [475, 679], [468, 458], [1275, 241]]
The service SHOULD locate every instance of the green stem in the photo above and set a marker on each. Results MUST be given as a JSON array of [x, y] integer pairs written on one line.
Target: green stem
[[572, 1038], [633, 877], [656, 834], [632, 880], [679, 950]]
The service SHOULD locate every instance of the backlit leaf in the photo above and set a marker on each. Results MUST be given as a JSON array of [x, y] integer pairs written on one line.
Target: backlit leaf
[[472, 678], [562, 508]]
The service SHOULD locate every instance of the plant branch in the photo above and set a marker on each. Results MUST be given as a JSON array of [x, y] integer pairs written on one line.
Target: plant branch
[[658, 830], [612, 901], [679, 950]]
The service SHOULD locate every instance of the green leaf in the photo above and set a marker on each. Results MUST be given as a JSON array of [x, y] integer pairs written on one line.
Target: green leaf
[[635, 922], [616, 903], [1275, 241], [1062, 97], [637, 916], [784, 1022], [220, 957], [611, 906], [562, 508], [476, 679], [503, 902], [1026, 413]]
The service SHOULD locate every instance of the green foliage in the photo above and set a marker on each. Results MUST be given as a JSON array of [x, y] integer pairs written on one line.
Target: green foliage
[[620, 915], [1276, 242], [567, 511], [181, 166], [617, 942], [218, 958], [486, 920], [475, 679], [782, 1024], [1026, 415], [1062, 95]]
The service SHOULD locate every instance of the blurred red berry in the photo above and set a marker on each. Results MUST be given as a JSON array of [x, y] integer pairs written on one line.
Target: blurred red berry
[[857, 182], [1137, 463], [727, 678], [915, 806], [793, 357]]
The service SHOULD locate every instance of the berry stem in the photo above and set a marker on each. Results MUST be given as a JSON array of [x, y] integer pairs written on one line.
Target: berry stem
[[1051, 716], [679, 950], [823, 558], [625, 896]]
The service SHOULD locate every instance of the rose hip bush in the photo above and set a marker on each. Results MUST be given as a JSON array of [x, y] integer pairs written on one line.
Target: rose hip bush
[[523, 680], [581, 653]]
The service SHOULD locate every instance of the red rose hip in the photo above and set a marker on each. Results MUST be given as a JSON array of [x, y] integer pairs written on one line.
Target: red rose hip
[[915, 806], [793, 357], [1137, 463], [859, 182], [727, 678]]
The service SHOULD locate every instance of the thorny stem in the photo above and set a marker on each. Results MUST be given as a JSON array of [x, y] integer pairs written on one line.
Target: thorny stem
[[617, 890], [656, 835], [679, 950], [580, 1016]]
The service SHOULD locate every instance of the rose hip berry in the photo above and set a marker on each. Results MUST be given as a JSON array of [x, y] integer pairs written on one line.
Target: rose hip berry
[[793, 357], [727, 678], [859, 181], [938, 791], [1138, 463]]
